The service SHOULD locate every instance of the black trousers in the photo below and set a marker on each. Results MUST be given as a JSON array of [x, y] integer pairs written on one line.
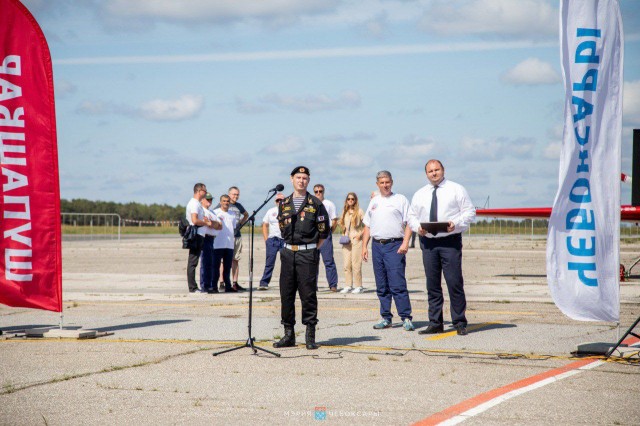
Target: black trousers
[[444, 255], [299, 272], [192, 263]]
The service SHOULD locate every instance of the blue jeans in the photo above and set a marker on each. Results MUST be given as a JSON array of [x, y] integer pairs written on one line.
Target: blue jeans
[[224, 256], [273, 246], [206, 264], [388, 268], [329, 264]]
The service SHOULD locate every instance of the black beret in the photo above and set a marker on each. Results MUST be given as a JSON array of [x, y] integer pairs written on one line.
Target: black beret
[[301, 169]]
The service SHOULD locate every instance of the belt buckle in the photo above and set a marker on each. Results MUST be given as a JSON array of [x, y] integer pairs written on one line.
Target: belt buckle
[[294, 248]]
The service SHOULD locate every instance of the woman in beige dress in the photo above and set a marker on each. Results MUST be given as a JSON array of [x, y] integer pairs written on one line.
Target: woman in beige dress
[[352, 227]]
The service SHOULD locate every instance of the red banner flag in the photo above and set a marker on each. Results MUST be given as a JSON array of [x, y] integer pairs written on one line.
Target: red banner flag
[[30, 255]]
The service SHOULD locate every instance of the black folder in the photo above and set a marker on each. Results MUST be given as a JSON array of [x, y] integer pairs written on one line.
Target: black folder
[[434, 227]]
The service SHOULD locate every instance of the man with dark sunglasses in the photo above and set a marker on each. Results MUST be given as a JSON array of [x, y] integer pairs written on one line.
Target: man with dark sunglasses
[[327, 248]]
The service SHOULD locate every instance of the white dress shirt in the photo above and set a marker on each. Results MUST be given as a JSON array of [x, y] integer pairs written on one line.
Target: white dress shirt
[[454, 205], [387, 216]]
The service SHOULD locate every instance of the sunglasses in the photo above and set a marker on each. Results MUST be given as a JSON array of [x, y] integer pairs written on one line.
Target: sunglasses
[[318, 191], [351, 199]]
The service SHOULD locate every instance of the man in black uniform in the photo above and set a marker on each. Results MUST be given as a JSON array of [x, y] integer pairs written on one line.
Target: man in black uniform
[[304, 224]]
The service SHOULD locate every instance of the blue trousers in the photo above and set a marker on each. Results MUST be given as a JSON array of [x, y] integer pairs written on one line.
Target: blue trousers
[[388, 268], [329, 264], [444, 255], [273, 246], [224, 256], [206, 264]]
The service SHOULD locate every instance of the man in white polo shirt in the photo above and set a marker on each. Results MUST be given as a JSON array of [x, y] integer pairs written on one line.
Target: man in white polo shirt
[[207, 285], [386, 223], [224, 243], [195, 216]]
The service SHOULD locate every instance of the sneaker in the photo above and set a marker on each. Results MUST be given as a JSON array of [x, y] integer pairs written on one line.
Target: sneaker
[[263, 288], [333, 289], [357, 290], [382, 324], [408, 325], [345, 290]]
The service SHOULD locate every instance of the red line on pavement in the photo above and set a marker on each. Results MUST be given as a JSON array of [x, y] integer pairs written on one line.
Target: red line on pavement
[[487, 396]]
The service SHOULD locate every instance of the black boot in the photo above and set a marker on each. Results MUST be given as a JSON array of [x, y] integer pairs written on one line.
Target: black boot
[[310, 337], [288, 340]]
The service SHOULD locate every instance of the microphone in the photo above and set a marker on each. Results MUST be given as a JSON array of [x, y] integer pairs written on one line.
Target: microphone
[[279, 187]]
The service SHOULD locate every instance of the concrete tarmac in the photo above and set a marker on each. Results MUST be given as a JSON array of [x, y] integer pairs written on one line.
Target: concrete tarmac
[[155, 363]]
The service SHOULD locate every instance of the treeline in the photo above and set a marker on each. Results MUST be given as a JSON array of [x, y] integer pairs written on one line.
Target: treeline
[[132, 211]]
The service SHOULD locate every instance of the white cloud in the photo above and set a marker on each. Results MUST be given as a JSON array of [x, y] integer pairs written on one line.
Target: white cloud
[[519, 147], [552, 151], [631, 102], [183, 108], [475, 149], [313, 103], [336, 52], [189, 12], [376, 27], [414, 151], [523, 18], [94, 108], [247, 107], [556, 132], [288, 145], [353, 160], [63, 87], [531, 72], [342, 138]]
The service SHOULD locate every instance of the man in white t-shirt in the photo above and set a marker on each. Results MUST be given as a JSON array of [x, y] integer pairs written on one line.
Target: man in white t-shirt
[[224, 243], [326, 251], [195, 216], [207, 285], [386, 223], [273, 241]]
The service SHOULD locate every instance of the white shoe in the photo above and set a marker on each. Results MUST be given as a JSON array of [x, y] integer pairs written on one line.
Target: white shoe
[[357, 290], [345, 290]]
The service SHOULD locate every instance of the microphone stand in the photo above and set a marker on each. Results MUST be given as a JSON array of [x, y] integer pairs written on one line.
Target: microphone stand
[[249, 343]]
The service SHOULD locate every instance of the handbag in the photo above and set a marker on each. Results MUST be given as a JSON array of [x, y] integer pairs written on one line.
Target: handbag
[[344, 239]]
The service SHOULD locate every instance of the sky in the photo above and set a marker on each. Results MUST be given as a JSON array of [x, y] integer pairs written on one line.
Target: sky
[[153, 96]]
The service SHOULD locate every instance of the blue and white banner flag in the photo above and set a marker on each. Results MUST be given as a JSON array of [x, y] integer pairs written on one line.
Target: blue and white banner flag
[[584, 228]]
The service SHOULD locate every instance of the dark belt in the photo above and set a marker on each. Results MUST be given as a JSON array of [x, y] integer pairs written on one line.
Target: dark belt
[[387, 241]]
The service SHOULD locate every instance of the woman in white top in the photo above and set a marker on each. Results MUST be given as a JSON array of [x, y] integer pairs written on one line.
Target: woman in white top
[[352, 227]]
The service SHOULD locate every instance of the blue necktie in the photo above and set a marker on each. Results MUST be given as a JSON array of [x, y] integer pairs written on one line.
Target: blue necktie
[[433, 213]]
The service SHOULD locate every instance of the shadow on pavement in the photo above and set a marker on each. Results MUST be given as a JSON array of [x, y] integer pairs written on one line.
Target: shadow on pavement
[[477, 328], [522, 275], [345, 341], [138, 325]]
